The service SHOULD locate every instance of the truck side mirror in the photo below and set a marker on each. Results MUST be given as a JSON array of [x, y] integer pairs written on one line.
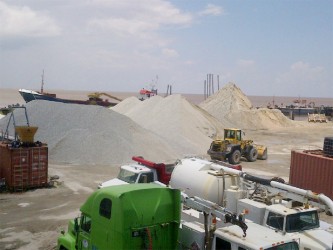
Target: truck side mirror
[[76, 225]]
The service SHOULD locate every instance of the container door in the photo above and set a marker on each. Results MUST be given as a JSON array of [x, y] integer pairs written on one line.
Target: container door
[[39, 166], [19, 169]]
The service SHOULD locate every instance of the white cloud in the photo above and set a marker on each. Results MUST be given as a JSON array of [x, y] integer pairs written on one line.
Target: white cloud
[[23, 21], [245, 63], [304, 68], [137, 17], [138, 25], [212, 10], [170, 53], [123, 26], [299, 66], [299, 75], [190, 62]]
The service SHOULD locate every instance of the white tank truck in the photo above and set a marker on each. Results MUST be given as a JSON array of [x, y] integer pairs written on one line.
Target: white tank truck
[[276, 205]]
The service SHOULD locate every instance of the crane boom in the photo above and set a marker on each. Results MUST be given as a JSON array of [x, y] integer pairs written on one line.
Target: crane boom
[[215, 211], [285, 190], [99, 94]]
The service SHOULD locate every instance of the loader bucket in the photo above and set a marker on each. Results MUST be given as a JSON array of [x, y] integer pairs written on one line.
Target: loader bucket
[[262, 152]]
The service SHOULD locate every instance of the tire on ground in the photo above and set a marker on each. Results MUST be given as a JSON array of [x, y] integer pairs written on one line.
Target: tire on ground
[[235, 157], [252, 154]]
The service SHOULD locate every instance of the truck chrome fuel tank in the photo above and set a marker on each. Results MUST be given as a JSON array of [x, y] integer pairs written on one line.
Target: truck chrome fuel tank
[[202, 178]]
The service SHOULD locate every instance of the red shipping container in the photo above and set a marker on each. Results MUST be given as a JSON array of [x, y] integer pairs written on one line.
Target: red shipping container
[[312, 170], [24, 167]]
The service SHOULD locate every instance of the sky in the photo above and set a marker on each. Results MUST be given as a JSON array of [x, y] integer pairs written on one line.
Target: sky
[[265, 47]]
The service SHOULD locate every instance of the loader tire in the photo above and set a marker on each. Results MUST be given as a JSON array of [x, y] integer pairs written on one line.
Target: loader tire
[[264, 155], [214, 158], [235, 157], [252, 155]]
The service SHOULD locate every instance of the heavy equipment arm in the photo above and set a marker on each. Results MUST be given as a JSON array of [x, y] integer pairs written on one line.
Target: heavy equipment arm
[[99, 94], [212, 211], [285, 191]]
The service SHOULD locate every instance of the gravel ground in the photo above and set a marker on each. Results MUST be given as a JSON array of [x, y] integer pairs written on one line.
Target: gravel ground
[[34, 219], [96, 141]]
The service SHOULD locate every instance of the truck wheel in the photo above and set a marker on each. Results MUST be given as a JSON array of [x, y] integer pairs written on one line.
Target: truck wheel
[[252, 154], [235, 157]]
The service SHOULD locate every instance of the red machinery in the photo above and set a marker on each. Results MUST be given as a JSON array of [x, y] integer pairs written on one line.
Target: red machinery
[[163, 170]]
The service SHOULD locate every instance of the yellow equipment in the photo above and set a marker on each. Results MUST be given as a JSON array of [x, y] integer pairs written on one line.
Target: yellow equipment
[[97, 96], [232, 148]]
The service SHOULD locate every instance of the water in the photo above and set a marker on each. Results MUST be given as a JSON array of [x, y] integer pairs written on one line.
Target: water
[[12, 96]]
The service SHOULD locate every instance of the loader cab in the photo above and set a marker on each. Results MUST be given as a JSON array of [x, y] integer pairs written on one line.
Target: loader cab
[[233, 135]]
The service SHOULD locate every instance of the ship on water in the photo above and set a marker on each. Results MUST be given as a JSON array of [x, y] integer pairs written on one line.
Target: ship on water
[[303, 108], [298, 107], [93, 98]]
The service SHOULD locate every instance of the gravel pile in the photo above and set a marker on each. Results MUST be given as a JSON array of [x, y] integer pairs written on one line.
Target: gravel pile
[[159, 129], [81, 134], [184, 126], [232, 107]]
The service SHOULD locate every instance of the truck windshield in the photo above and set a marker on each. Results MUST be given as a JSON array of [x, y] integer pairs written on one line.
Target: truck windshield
[[286, 246], [127, 176], [302, 221]]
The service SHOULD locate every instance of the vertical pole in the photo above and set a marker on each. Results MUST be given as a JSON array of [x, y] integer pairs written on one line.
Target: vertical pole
[[218, 82], [210, 84], [213, 83], [207, 94], [42, 87], [204, 89]]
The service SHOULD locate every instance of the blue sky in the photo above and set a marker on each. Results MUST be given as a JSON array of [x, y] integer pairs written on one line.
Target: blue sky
[[266, 47]]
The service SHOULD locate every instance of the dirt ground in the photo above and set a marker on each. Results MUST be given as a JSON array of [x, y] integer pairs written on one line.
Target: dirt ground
[[34, 219]]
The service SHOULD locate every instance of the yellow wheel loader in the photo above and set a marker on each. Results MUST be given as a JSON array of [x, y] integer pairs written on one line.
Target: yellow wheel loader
[[232, 148]]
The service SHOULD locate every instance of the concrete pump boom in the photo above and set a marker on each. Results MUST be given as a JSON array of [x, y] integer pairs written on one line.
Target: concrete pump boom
[[285, 190]]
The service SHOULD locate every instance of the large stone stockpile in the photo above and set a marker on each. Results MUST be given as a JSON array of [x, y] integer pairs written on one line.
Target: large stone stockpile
[[159, 129], [232, 108], [182, 125], [84, 134]]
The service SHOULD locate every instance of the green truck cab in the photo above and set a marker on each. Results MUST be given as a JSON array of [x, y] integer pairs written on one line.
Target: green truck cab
[[138, 216]]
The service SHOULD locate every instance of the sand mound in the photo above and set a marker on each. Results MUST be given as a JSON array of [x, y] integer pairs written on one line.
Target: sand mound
[[184, 126], [160, 129], [83, 134], [126, 104], [232, 108]]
